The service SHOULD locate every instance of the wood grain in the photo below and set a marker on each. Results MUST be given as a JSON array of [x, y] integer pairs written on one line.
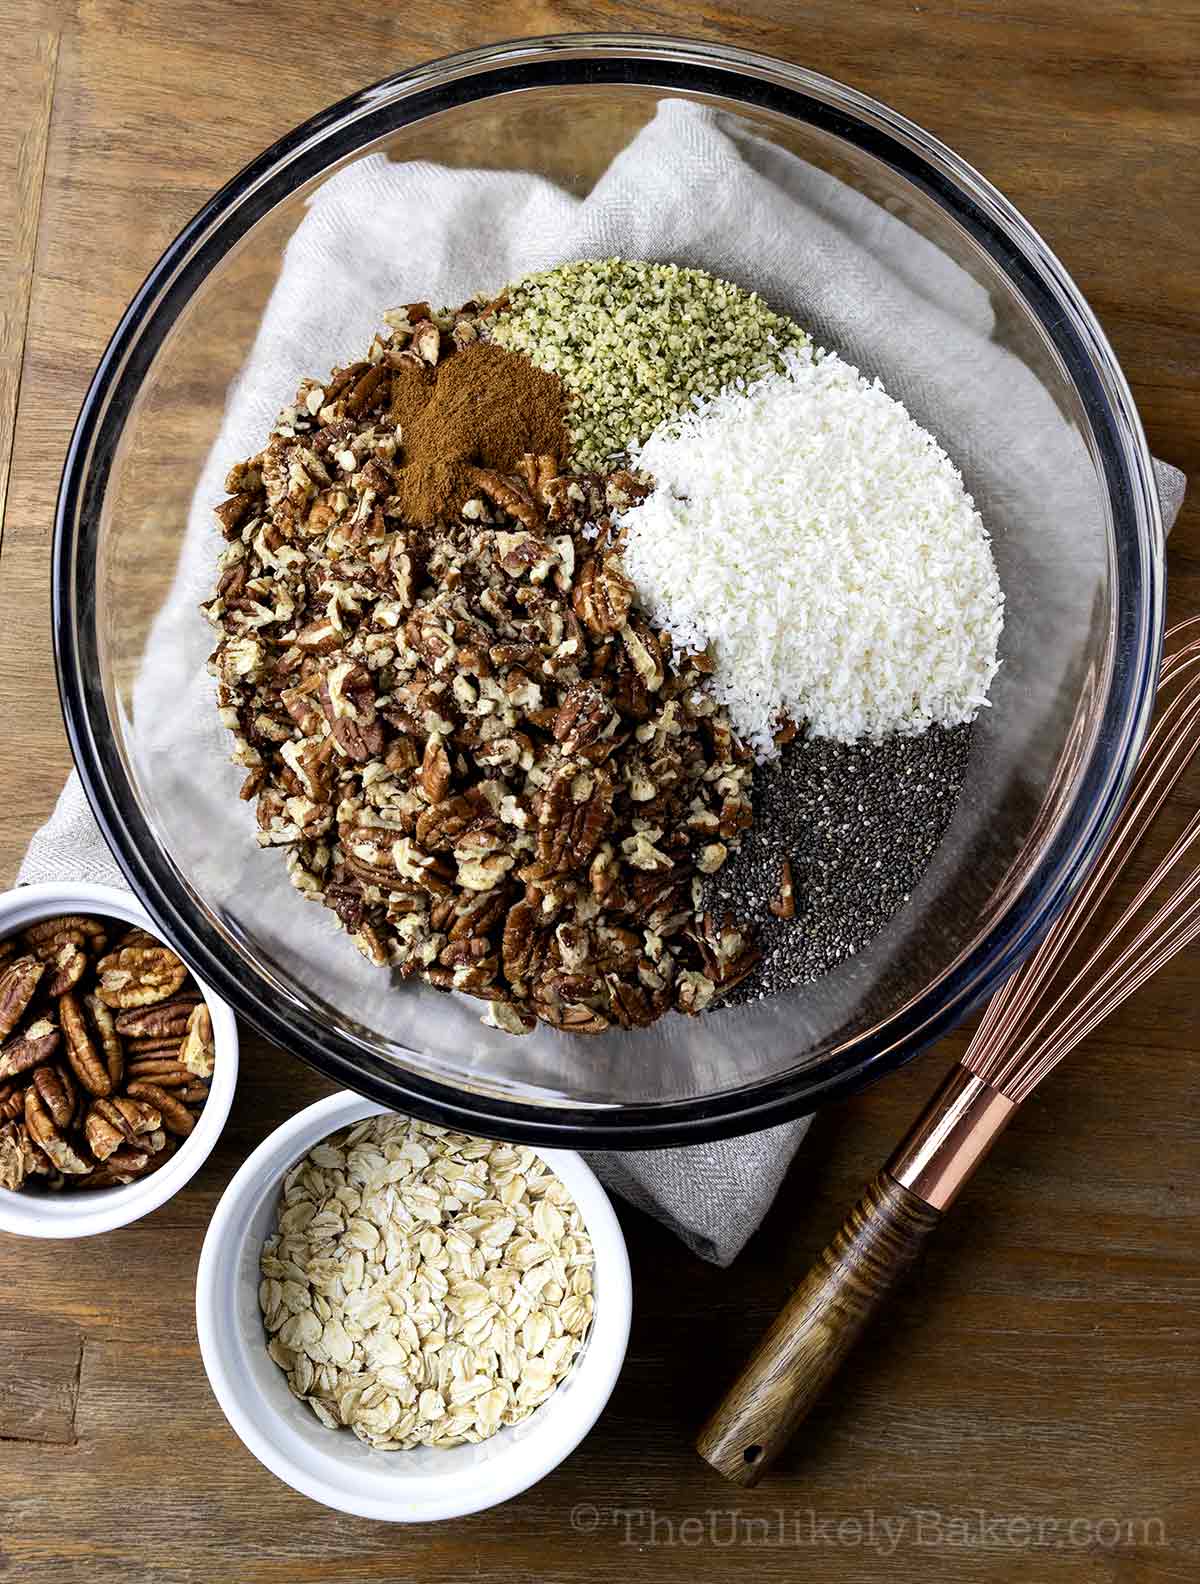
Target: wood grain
[[28, 61], [871, 1253], [1045, 1365], [41, 1378]]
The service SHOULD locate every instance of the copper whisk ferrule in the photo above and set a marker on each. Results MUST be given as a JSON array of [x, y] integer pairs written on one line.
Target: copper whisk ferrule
[[950, 1138]]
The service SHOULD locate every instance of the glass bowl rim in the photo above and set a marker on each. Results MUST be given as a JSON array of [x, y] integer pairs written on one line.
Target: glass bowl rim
[[688, 66]]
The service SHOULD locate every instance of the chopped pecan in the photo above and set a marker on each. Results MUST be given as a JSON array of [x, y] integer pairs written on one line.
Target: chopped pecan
[[645, 655], [570, 1017], [233, 512], [366, 388], [441, 826], [631, 1007], [510, 1018], [435, 769], [783, 905], [582, 716], [510, 495], [467, 739], [475, 917], [348, 700], [427, 341]]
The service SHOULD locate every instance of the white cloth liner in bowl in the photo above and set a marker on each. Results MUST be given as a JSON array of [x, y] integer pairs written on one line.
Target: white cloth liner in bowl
[[378, 233]]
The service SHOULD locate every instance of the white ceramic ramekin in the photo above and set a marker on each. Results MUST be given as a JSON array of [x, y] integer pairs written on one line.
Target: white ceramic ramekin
[[73, 1215], [334, 1466]]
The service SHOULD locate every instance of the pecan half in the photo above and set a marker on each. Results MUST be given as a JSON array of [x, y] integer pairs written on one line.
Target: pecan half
[[168, 1020], [603, 594], [18, 981], [19, 1160], [50, 1138], [102, 1130], [30, 1048], [58, 1094], [82, 1050], [67, 968], [517, 946], [576, 812], [164, 1069], [176, 1117], [112, 1124], [104, 1026], [87, 931], [138, 976], [198, 1051]]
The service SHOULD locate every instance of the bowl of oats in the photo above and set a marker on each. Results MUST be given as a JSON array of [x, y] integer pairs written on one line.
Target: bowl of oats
[[409, 1323], [607, 590], [117, 1066]]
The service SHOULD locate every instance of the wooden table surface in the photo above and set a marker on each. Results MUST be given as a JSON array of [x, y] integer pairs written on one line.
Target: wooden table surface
[[1029, 1411]]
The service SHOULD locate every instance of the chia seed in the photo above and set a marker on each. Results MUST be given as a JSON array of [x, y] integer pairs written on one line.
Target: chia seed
[[859, 825]]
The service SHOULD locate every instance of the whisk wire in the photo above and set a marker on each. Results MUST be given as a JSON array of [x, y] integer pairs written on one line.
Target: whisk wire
[[1037, 1018]]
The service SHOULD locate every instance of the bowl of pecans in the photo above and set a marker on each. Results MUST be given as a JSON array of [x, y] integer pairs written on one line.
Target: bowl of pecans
[[117, 1066], [406, 1322]]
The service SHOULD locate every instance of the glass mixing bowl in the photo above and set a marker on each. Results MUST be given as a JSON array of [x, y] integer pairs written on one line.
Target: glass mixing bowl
[[907, 261]]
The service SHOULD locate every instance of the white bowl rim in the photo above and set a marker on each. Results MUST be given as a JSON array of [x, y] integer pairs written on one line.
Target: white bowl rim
[[415, 1498], [91, 1211]]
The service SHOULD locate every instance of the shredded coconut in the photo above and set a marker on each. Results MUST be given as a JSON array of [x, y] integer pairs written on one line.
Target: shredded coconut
[[823, 544]]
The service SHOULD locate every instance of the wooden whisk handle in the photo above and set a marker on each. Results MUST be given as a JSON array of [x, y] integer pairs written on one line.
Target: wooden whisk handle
[[878, 1242]]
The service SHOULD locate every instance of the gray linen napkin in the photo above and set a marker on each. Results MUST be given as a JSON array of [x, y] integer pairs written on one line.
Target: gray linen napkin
[[693, 183]]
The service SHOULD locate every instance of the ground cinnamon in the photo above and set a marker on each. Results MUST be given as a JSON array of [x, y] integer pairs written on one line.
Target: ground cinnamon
[[482, 406]]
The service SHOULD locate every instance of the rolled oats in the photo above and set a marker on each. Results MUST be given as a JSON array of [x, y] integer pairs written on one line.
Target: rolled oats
[[424, 1288]]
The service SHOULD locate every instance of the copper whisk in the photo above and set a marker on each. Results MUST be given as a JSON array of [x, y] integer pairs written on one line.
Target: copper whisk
[[1053, 1001]]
